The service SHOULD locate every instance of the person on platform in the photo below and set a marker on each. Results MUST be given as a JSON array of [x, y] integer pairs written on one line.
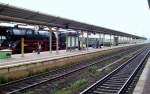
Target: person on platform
[[39, 47]]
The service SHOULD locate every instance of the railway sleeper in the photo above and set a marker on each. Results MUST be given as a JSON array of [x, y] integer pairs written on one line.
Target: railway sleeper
[[106, 90], [116, 81], [119, 77], [110, 88], [120, 83], [112, 85], [99, 92]]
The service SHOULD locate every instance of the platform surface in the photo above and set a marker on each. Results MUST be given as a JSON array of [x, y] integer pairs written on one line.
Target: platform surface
[[143, 85], [34, 57]]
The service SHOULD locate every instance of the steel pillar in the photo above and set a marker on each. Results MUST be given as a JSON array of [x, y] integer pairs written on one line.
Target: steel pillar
[[103, 39], [66, 42], [50, 42], [22, 47], [99, 40], [110, 40], [57, 41], [82, 39], [70, 42], [50, 39], [87, 41], [79, 48]]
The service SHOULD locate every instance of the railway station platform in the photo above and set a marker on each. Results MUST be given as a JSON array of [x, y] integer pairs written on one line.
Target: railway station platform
[[143, 85], [17, 60]]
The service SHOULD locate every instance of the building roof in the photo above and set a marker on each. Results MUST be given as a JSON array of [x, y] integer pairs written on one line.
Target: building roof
[[16, 14]]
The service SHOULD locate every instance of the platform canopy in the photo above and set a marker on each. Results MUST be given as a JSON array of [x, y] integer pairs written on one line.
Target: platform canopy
[[16, 14]]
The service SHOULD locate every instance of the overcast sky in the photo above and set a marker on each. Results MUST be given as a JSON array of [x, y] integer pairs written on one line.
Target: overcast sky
[[130, 16]]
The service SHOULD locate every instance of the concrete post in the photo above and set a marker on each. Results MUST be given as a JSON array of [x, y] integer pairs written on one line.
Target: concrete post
[[110, 40], [22, 45], [50, 42], [57, 41], [66, 42], [78, 41], [82, 39], [70, 42], [50, 39], [99, 40], [103, 39], [87, 41]]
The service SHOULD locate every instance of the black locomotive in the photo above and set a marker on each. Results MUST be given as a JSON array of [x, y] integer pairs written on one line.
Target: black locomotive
[[10, 37]]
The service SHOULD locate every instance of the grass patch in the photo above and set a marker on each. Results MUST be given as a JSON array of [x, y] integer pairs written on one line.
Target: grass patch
[[73, 86], [29, 70], [3, 79], [93, 70], [28, 92]]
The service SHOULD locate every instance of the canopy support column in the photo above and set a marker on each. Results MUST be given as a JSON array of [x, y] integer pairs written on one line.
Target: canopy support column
[[79, 48], [22, 47], [66, 42], [50, 39], [103, 39], [82, 39], [110, 40], [99, 40], [57, 41], [87, 44]]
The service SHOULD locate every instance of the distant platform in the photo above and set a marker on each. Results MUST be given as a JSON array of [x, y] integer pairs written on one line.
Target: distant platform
[[16, 60]]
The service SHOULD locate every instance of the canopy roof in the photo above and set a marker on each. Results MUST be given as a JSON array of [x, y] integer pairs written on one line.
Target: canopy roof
[[16, 14]]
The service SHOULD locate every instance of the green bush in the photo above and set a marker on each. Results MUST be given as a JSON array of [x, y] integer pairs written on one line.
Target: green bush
[[72, 87]]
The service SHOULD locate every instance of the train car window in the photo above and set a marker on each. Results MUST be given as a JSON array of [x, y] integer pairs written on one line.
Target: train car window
[[17, 32], [23, 31], [44, 33], [29, 32], [2, 38], [36, 33]]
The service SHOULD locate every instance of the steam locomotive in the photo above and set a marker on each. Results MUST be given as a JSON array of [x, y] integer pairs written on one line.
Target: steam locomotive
[[11, 38]]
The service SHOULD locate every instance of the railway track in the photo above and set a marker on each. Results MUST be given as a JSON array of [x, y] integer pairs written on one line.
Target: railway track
[[118, 80], [29, 82]]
